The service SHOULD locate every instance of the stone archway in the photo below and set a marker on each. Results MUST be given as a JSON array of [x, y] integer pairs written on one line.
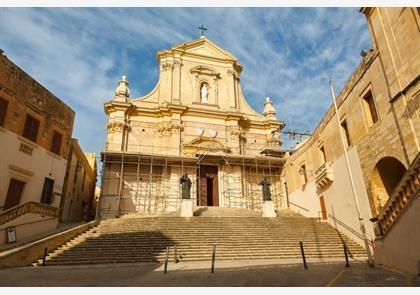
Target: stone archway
[[386, 175]]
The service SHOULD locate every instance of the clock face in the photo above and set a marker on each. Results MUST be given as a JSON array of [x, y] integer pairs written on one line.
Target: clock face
[[200, 131]]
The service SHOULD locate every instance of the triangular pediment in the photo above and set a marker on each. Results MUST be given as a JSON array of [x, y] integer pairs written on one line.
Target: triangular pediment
[[204, 47], [208, 145]]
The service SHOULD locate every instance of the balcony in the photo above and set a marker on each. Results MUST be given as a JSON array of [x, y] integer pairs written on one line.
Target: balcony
[[323, 177], [26, 146]]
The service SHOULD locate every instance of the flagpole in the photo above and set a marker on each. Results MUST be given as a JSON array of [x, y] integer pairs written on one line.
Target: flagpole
[[362, 226]]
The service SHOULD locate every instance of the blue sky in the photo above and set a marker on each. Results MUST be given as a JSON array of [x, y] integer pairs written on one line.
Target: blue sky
[[287, 53]]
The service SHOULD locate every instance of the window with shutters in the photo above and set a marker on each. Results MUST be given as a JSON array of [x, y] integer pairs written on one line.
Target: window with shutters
[[56, 143], [30, 130], [3, 109], [14, 193], [47, 191]]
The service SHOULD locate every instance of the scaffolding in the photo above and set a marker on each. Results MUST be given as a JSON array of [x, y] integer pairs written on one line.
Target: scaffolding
[[145, 179]]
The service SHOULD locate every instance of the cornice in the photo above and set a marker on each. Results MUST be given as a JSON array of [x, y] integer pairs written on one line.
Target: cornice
[[114, 105]]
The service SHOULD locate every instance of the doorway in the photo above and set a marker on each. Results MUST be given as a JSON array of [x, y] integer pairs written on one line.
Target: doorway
[[208, 186], [14, 193], [323, 208]]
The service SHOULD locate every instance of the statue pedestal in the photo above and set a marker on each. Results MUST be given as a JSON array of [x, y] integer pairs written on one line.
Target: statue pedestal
[[186, 208], [268, 209]]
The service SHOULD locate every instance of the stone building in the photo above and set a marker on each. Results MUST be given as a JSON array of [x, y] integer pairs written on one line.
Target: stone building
[[35, 132], [79, 185], [195, 121], [379, 120]]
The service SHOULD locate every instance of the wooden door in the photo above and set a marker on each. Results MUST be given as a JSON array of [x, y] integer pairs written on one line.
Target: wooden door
[[208, 186], [323, 208], [202, 199], [13, 193]]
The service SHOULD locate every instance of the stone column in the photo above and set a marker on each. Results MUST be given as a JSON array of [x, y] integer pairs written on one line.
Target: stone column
[[176, 92]]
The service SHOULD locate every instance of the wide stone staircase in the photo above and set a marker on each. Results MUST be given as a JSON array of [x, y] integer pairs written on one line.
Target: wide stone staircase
[[237, 234]]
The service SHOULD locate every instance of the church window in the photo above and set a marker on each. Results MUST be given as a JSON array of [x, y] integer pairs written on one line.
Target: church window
[[370, 108]]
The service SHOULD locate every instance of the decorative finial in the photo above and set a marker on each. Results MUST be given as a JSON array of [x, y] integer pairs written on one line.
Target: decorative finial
[[269, 110], [122, 93]]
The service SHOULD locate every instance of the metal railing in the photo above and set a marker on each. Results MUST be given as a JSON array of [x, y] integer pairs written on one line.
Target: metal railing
[[300, 207]]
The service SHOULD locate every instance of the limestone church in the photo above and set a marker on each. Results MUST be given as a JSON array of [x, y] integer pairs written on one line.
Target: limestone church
[[195, 121]]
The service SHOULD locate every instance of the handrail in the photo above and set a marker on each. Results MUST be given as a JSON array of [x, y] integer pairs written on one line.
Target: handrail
[[407, 189], [303, 208], [353, 231], [350, 229], [29, 207]]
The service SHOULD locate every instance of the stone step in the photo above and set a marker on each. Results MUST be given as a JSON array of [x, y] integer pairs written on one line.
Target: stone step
[[116, 243], [206, 255], [210, 235], [182, 246], [215, 233], [197, 258], [144, 239], [131, 250]]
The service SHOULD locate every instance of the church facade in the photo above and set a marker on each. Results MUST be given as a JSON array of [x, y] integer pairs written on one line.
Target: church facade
[[195, 121]]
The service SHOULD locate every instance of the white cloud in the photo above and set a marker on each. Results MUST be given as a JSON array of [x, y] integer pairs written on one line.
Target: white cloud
[[288, 54]]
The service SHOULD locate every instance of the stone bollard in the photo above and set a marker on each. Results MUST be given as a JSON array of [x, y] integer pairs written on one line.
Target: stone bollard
[[268, 209], [187, 208]]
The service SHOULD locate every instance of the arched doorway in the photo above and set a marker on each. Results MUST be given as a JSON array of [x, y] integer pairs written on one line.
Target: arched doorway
[[386, 175]]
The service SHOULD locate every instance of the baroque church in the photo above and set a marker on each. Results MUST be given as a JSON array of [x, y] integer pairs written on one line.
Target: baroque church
[[195, 121]]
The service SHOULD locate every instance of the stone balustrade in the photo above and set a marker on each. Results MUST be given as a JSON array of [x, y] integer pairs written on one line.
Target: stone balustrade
[[406, 191], [30, 207], [26, 149]]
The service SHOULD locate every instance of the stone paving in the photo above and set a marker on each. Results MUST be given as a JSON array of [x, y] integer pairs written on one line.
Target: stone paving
[[197, 274]]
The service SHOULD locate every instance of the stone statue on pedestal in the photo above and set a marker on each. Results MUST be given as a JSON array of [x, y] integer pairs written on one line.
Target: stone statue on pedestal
[[266, 189], [186, 186], [204, 93]]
